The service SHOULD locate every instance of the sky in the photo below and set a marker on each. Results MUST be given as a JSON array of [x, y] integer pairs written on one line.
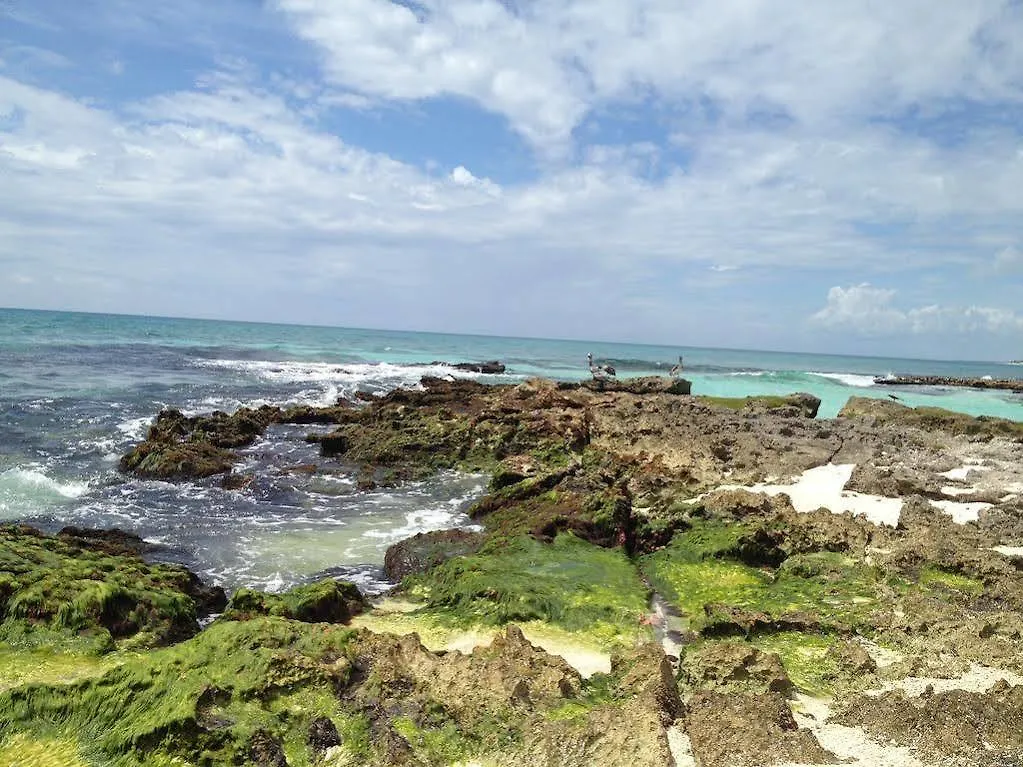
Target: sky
[[768, 174]]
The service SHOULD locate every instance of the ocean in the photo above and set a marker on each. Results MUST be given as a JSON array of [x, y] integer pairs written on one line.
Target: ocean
[[77, 390]]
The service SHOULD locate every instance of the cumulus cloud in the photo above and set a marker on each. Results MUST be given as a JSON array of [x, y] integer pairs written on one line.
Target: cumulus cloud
[[870, 310], [544, 64], [794, 152]]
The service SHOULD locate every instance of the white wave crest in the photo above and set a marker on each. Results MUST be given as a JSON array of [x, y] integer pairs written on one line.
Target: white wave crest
[[339, 379], [27, 491], [135, 428], [849, 379]]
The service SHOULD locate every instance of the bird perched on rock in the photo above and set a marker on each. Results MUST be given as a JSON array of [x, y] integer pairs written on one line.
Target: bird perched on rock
[[676, 370], [600, 372]]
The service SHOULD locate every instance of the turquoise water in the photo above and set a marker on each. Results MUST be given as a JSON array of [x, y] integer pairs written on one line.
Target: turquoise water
[[77, 390]]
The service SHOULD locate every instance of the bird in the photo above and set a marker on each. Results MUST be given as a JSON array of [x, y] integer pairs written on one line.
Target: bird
[[600, 372], [676, 370], [892, 396]]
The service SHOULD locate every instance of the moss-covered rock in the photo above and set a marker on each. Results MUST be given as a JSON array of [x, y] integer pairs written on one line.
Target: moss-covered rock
[[720, 594], [930, 419], [271, 689], [568, 583], [71, 590], [326, 601], [424, 551]]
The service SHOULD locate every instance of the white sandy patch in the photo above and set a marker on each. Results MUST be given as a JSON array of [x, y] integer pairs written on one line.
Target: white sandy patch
[[954, 491], [823, 487], [882, 656], [962, 512], [978, 679], [681, 747], [963, 472], [1009, 551], [854, 746], [850, 744]]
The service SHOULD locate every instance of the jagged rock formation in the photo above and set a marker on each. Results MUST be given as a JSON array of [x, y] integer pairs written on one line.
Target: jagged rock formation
[[601, 492]]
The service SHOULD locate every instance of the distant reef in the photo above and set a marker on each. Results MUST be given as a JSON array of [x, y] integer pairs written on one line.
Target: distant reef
[[1006, 384]]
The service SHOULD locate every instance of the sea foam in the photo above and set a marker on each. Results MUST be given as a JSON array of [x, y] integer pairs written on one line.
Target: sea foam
[[849, 379], [341, 380], [27, 491]]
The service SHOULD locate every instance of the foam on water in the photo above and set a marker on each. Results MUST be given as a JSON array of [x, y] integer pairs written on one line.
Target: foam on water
[[847, 379], [343, 379], [25, 491]]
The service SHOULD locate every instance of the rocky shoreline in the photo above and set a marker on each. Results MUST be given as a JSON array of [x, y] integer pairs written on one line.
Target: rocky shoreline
[[661, 579], [1005, 384]]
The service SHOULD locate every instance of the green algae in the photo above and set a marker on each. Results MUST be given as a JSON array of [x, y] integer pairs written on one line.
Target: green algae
[[806, 658], [326, 600], [45, 665], [738, 403], [24, 751], [569, 583], [200, 699], [695, 573], [441, 744], [936, 578], [73, 595]]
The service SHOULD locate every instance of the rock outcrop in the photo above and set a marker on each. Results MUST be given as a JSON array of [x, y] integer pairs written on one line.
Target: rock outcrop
[[424, 551], [602, 492]]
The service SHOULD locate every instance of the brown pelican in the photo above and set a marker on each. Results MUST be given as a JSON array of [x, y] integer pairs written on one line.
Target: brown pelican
[[600, 372], [676, 370]]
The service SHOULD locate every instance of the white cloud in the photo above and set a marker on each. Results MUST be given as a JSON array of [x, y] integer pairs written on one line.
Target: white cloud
[[545, 64], [869, 310], [240, 184]]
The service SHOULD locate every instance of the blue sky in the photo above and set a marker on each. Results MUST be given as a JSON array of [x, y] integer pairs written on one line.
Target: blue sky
[[756, 174]]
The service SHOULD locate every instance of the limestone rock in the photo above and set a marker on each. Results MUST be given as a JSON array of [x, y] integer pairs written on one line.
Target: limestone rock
[[426, 550]]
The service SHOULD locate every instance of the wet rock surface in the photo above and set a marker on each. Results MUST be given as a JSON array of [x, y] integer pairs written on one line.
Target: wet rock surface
[[602, 493], [427, 550]]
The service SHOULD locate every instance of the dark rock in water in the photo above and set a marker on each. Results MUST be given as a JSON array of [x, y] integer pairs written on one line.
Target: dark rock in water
[[427, 550], [266, 751], [492, 367], [233, 481], [177, 460], [306, 414], [186, 447], [323, 735], [326, 601], [1004, 384], [640, 385], [107, 541], [333, 444]]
